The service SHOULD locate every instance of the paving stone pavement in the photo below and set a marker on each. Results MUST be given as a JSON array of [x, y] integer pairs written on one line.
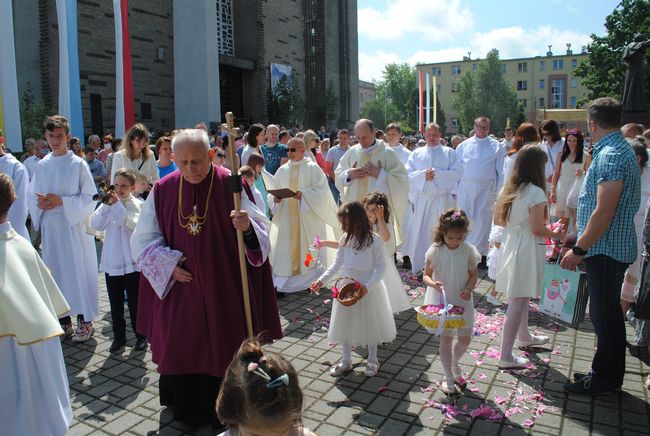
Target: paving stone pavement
[[118, 394]]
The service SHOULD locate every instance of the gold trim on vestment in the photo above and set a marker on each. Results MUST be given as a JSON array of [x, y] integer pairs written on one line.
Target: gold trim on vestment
[[32, 342], [362, 187], [293, 207]]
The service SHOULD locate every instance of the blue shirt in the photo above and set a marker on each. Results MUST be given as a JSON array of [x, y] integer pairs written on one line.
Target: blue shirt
[[163, 171], [613, 160], [273, 156], [97, 169]]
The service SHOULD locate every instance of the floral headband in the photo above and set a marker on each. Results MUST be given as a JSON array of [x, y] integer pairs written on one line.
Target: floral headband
[[254, 367]]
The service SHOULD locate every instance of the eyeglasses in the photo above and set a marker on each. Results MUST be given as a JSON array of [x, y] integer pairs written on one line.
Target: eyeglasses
[[222, 156], [293, 150]]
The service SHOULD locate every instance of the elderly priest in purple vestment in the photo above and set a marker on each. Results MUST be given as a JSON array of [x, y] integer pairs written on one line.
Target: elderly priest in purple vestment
[[191, 305]]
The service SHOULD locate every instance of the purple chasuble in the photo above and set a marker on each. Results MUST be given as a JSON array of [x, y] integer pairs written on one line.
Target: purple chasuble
[[199, 326]]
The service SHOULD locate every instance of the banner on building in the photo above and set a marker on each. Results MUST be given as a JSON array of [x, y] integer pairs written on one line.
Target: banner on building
[[9, 103], [124, 106], [69, 83]]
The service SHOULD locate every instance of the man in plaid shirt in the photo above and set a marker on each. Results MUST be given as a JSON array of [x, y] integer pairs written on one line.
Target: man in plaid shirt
[[606, 243]]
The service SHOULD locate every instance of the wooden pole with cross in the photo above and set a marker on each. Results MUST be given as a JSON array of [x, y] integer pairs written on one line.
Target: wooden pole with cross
[[236, 188]]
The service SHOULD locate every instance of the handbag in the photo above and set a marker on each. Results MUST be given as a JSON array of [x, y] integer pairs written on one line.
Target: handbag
[[574, 193], [564, 294]]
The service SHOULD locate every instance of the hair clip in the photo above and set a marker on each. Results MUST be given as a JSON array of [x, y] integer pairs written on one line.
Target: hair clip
[[456, 215], [279, 381], [255, 369]]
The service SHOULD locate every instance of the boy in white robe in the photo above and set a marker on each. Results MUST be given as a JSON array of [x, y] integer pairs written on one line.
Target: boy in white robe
[[434, 171], [34, 393], [16, 170], [60, 199]]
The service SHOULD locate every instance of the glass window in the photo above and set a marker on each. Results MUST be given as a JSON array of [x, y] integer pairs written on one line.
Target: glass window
[[454, 123], [523, 102], [436, 71], [438, 88], [522, 67], [474, 67], [541, 102], [542, 65], [542, 83], [573, 102], [522, 85], [574, 63], [503, 68], [454, 87], [574, 82], [455, 69], [558, 64], [557, 94]]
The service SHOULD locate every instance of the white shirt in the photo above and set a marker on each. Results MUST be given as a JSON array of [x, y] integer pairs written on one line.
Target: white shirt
[[553, 153], [30, 164], [401, 151], [118, 223], [482, 159], [20, 177]]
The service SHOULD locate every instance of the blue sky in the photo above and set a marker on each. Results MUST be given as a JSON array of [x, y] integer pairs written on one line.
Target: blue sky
[[445, 30]]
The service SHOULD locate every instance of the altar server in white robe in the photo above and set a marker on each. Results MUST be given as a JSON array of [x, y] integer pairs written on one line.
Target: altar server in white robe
[[34, 393], [372, 166], [298, 220], [60, 198], [482, 159], [20, 177], [434, 172]]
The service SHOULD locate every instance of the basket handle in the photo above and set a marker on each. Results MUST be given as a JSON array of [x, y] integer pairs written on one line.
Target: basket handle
[[443, 315]]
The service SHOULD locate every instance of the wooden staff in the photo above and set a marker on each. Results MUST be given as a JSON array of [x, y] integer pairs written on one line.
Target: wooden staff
[[230, 127]]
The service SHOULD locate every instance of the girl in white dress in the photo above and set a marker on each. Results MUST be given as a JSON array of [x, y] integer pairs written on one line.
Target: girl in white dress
[[526, 134], [260, 394], [451, 266], [522, 210], [567, 168], [378, 212], [369, 321]]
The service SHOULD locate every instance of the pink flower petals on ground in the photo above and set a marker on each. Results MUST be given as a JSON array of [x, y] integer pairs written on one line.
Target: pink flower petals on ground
[[528, 423]]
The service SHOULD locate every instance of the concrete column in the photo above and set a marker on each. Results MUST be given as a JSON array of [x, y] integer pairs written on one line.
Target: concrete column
[[196, 63]]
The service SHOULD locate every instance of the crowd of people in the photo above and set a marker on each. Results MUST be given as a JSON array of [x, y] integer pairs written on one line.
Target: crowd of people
[[317, 210]]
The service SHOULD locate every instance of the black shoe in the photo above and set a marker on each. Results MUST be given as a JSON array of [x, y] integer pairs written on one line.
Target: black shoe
[[577, 376], [483, 264], [406, 263], [117, 345], [141, 344], [589, 386]]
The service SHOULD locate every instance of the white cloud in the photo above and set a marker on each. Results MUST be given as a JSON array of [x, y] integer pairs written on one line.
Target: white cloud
[[512, 42], [431, 20], [371, 65], [517, 42]]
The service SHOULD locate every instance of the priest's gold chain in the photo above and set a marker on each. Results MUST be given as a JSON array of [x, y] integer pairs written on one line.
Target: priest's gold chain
[[193, 223]]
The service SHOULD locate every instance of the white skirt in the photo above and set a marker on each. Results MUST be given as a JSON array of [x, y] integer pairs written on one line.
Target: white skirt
[[34, 394], [367, 322], [395, 289]]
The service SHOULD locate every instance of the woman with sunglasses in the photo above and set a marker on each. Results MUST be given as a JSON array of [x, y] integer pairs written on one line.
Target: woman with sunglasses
[[552, 143], [568, 166]]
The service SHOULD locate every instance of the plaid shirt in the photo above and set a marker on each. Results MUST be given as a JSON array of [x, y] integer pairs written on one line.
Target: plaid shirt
[[613, 159]]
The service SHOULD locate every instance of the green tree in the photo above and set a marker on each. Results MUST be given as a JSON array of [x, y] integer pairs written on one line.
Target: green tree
[[604, 71], [32, 115], [286, 106], [381, 112], [400, 86], [485, 92]]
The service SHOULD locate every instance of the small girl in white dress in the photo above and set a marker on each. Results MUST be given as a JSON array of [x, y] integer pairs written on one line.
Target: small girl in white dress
[[378, 211], [369, 321], [522, 210], [451, 265]]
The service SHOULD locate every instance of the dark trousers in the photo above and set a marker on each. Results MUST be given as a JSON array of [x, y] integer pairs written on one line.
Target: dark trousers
[[116, 286], [604, 279]]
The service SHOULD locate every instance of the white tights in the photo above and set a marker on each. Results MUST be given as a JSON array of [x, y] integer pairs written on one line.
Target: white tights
[[516, 324], [347, 353], [450, 359]]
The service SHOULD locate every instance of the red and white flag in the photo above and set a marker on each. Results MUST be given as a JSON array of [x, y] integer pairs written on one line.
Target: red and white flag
[[124, 111]]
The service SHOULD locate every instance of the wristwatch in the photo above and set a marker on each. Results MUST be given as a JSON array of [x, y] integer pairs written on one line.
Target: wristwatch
[[579, 251]]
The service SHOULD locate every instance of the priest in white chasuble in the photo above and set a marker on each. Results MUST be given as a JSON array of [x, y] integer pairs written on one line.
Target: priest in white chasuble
[[434, 171], [372, 166], [298, 220]]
